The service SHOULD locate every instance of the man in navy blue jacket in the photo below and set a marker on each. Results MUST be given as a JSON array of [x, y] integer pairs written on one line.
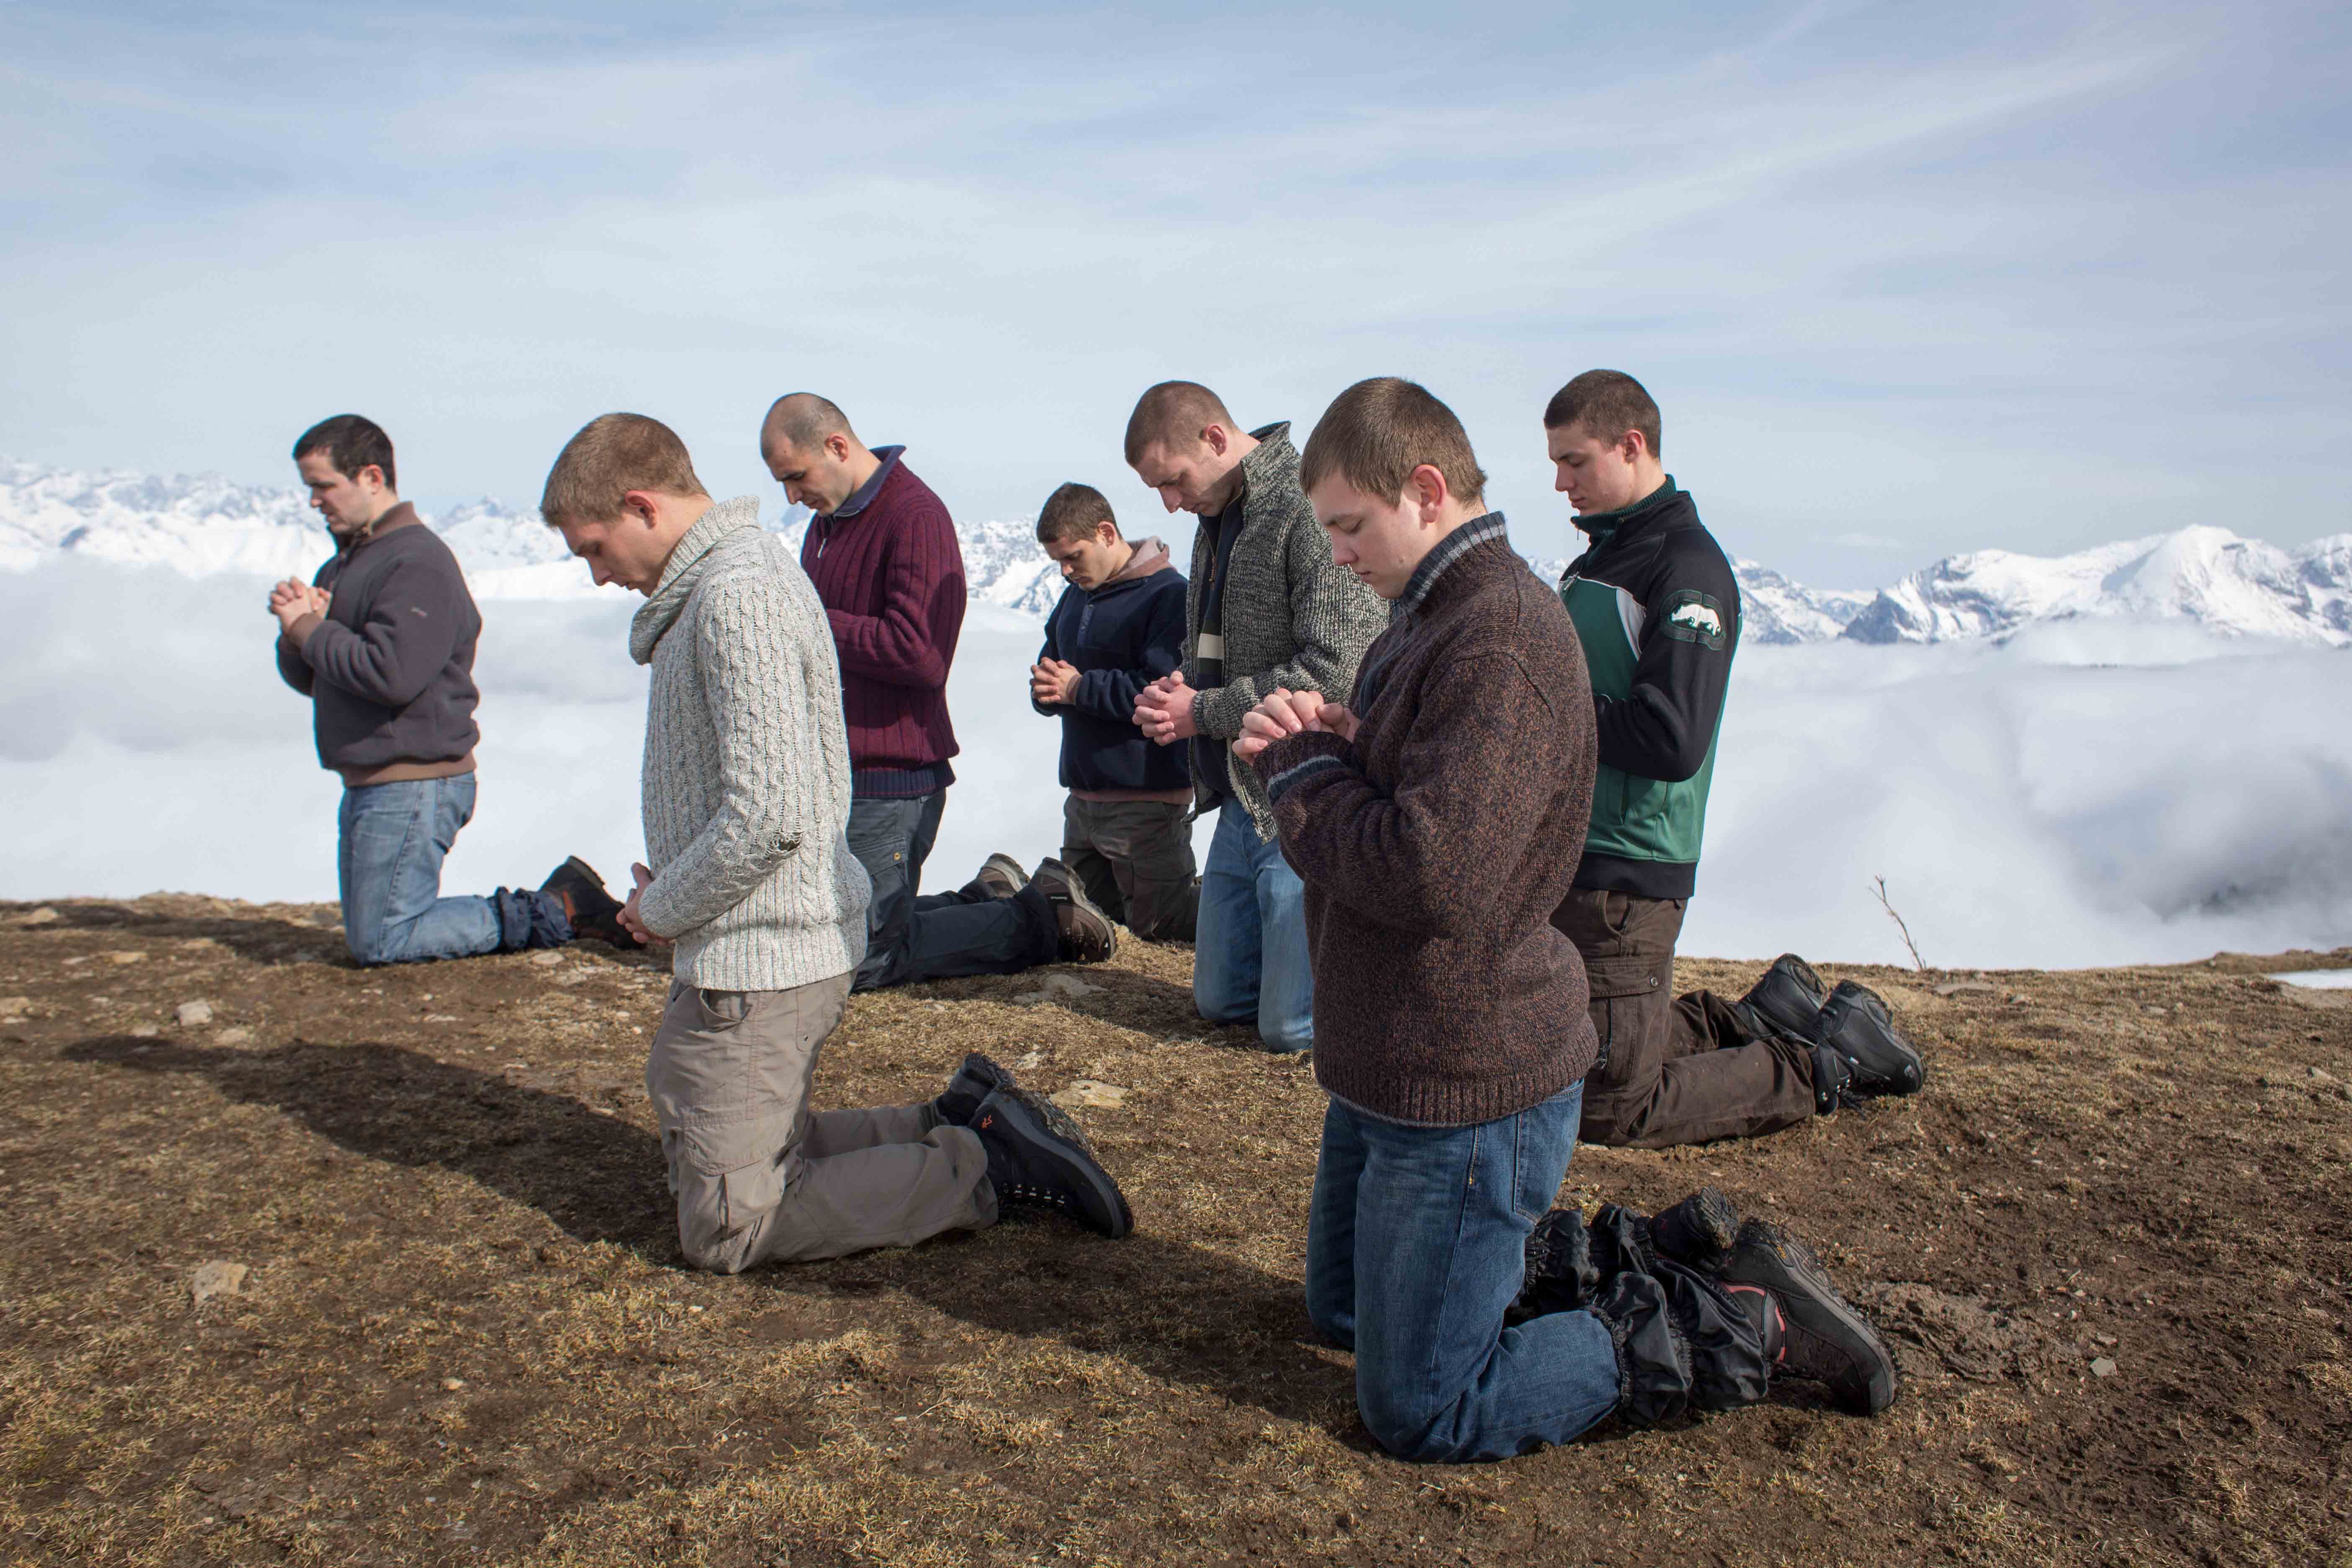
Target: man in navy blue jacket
[[1118, 628]]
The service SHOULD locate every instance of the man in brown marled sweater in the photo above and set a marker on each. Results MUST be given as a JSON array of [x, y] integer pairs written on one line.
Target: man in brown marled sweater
[[1438, 819]]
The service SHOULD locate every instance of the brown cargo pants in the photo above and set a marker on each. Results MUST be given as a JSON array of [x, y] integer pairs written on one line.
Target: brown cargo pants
[[1672, 1069], [1134, 859], [760, 1179]]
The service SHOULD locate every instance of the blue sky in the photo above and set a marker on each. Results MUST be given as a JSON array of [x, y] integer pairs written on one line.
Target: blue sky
[[1905, 280]]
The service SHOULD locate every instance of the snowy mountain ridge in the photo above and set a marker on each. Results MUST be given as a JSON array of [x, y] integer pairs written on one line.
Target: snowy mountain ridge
[[201, 525]]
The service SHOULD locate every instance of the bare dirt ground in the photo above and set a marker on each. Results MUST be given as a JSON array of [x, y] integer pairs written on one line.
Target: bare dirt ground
[[2111, 1243]]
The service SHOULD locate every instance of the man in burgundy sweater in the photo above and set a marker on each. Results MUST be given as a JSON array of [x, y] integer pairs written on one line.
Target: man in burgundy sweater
[[883, 554]]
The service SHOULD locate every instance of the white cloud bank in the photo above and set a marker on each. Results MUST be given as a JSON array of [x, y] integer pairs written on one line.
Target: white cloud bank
[[2082, 794]]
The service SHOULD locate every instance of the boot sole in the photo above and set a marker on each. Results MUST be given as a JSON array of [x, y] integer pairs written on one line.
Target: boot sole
[[1797, 1280], [1709, 1221], [1062, 882], [1049, 1129], [1881, 1066]]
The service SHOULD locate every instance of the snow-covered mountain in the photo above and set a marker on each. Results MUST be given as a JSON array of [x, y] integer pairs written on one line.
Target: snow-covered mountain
[[2205, 575], [2201, 576], [201, 525]]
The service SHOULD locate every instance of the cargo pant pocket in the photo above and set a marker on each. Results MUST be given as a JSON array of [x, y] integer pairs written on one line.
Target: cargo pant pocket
[[730, 1180], [1624, 991]]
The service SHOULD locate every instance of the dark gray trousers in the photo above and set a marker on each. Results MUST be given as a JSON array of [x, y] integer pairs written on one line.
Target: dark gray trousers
[[1135, 860], [911, 938]]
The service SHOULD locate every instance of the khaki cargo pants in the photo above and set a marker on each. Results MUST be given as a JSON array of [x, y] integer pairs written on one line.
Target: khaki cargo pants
[[759, 1178], [1672, 1069]]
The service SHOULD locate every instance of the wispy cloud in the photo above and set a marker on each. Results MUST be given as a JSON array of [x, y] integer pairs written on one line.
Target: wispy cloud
[[2024, 277]]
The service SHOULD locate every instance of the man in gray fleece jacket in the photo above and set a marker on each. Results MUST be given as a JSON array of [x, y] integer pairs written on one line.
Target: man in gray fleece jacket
[[1267, 608], [746, 804], [381, 641]]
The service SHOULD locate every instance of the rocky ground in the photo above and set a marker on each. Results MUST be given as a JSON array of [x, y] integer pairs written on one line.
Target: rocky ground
[[307, 1263]]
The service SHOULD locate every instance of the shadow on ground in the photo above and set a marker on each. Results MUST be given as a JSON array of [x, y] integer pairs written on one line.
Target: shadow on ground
[[1179, 1311]]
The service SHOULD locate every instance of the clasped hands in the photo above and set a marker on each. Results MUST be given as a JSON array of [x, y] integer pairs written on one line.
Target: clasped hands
[[291, 600], [1052, 682], [1287, 713]]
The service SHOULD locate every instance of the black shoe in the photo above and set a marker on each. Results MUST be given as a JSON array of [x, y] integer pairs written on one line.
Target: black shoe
[[1701, 1230], [1857, 1028], [1000, 877], [1789, 997], [1821, 1337], [1088, 936], [974, 1082], [1037, 1158], [592, 911]]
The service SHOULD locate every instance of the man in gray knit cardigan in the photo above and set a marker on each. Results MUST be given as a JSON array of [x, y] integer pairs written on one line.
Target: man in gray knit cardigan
[[746, 792], [1267, 608]]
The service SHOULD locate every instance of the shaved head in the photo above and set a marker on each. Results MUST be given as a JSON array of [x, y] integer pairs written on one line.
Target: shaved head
[[802, 420]]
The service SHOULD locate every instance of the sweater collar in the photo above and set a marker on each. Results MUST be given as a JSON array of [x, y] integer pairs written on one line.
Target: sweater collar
[[1605, 526], [864, 493], [1268, 462], [1442, 555], [401, 516], [683, 572]]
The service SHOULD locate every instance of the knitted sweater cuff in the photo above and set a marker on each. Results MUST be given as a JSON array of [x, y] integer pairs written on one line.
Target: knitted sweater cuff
[[1296, 758]]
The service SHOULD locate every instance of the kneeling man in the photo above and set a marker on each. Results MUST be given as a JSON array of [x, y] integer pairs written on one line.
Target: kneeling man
[[746, 808], [1435, 819]]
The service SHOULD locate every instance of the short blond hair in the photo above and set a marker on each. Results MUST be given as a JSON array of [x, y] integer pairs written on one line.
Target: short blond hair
[[613, 455]]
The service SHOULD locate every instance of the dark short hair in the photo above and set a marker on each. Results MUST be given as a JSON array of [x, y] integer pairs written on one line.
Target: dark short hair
[[1072, 512], [1172, 414], [352, 443], [613, 455], [1607, 404], [804, 419], [1378, 432]]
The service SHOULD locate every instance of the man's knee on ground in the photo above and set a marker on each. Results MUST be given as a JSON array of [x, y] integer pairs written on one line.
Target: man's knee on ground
[[711, 1249], [376, 945], [1407, 1429], [1286, 1039], [1221, 1002]]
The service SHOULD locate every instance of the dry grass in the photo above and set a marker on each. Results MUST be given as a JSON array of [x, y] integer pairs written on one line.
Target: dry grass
[[465, 1336]]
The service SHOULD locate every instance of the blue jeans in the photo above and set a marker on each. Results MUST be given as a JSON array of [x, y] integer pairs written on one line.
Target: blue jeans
[[392, 839], [912, 938], [1439, 1218], [1249, 952]]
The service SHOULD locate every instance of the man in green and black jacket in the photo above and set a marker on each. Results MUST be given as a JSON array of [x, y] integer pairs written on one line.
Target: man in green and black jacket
[[1657, 609]]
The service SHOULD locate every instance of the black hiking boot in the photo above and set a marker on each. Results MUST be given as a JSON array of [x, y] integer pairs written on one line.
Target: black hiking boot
[[1700, 1231], [1821, 1338], [1856, 1027], [974, 1082], [591, 910], [1788, 998], [1000, 877], [1037, 1158], [1088, 936]]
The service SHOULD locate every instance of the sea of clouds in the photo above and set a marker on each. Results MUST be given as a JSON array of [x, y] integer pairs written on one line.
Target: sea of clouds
[[2089, 794]]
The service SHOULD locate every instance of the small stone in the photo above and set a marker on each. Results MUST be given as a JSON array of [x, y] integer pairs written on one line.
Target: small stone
[[233, 1036], [2017, 995], [14, 1008], [2107, 1339], [126, 955], [452, 1385], [1088, 1094], [547, 958], [193, 1014], [2318, 1074], [40, 917], [1033, 1060], [1966, 988], [145, 1032], [217, 1277], [2105, 1366]]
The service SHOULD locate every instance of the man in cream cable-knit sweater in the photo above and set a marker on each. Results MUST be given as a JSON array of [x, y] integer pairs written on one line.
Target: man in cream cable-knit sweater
[[747, 795]]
